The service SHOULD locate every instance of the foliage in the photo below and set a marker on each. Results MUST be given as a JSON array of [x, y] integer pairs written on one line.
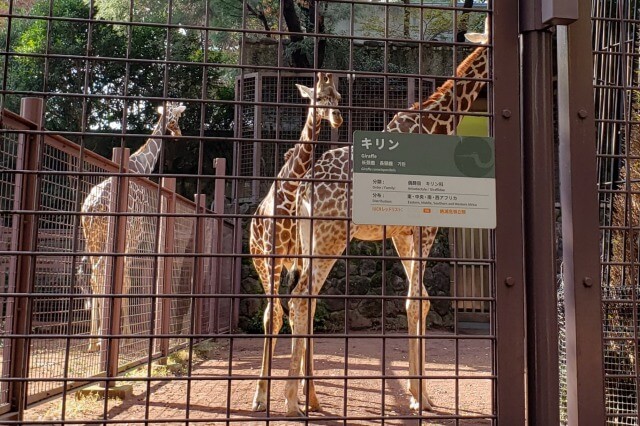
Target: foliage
[[72, 76]]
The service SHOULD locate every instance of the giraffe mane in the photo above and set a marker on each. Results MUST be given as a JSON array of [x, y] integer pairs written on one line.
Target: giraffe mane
[[448, 85]]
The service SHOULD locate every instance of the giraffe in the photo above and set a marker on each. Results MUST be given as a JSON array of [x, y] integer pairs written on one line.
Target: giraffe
[[327, 239], [95, 228], [275, 237]]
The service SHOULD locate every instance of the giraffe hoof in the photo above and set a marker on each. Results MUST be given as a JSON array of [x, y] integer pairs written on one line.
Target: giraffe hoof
[[294, 411], [427, 405], [259, 406]]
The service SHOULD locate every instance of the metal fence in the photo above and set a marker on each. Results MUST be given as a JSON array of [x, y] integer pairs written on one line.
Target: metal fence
[[193, 283], [60, 298], [615, 30]]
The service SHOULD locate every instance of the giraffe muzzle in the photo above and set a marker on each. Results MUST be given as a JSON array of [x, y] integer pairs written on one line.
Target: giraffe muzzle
[[336, 119]]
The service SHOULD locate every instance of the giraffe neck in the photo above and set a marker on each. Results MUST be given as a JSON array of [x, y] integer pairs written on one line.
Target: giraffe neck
[[433, 117], [299, 160], [145, 158]]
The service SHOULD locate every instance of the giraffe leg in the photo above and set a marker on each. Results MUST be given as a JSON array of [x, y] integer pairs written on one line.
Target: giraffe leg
[[97, 287], [299, 325], [321, 268], [272, 322], [417, 311], [308, 386]]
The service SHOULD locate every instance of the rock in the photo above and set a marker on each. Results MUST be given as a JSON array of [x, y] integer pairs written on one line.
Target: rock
[[398, 269], [339, 269], [251, 286], [395, 307], [353, 267], [368, 267], [371, 308], [376, 283], [358, 322], [396, 284], [398, 322], [359, 285], [249, 307], [442, 307], [337, 319], [334, 304], [433, 319]]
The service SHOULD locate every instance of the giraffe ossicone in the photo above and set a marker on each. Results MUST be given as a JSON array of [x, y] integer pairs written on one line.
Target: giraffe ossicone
[[95, 228], [326, 239]]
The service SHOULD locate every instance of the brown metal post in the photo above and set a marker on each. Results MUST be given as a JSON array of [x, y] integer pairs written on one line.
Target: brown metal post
[[510, 318], [117, 228], [257, 146], [580, 222], [237, 277], [198, 276], [31, 109], [218, 234], [167, 264], [540, 246]]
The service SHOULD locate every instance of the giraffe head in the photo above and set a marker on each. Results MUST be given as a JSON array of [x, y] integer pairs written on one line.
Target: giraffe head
[[324, 99], [479, 38], [171, 117]]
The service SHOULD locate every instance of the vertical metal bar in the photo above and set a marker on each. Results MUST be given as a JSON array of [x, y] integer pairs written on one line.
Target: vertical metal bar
[[198, 277], [218, 232], [540, 276], [580, 219], [510, 336], [117, 229], [167, 274], [31, 109], [257, 145]]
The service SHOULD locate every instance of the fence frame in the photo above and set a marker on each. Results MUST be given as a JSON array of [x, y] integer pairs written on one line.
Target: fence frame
[[31, 141]]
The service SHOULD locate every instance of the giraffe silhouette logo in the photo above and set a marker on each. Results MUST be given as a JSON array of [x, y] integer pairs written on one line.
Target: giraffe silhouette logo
[[473, 156]]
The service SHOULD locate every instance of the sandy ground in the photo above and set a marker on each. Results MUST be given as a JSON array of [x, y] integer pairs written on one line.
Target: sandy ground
[[214, 398]]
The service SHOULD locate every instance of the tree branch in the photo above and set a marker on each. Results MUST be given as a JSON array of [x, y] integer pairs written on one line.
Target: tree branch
[[261, 17]]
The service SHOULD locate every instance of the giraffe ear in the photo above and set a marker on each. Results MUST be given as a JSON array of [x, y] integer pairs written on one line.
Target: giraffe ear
[[160, 110], [477, 38], [480, 38], [180, 109], [305, 91]]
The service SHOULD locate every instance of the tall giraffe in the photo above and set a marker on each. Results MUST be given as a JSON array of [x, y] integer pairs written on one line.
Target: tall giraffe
[[95, 228], [272, 240], [327, 239]]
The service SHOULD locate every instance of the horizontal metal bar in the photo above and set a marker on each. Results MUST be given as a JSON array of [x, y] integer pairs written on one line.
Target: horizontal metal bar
[[227, 336]]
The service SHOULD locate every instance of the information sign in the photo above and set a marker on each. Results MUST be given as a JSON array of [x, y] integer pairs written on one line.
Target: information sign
[[423, 180]]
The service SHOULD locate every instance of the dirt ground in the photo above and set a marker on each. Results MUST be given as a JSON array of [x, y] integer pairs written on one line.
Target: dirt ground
[[211, 399]]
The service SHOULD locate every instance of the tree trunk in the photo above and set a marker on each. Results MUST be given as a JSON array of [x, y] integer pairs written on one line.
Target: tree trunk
[[322, 42], [463, 22], [298, 57]]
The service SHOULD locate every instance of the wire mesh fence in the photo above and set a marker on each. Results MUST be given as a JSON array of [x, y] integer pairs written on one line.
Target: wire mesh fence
[[128, 269], [63, 295], [615, 37]]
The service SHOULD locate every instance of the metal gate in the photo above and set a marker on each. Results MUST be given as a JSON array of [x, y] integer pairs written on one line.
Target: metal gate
[[167, 312]]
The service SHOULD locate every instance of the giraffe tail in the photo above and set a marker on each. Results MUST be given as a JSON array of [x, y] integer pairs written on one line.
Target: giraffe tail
[[286, 285], [83, 277]]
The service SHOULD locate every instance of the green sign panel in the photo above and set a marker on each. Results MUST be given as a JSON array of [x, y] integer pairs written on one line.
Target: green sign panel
[[419, 154]]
